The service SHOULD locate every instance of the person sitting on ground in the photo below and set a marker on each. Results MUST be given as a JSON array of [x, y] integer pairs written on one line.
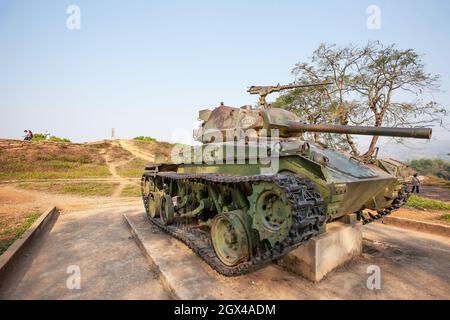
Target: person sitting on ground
[[415, 183], [28, 135]]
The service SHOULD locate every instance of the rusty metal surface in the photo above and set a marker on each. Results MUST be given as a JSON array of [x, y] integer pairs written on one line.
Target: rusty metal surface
[[418, 133]]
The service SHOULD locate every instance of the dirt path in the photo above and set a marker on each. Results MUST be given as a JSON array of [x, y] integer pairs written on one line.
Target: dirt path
[[127, 145], [112, 165]]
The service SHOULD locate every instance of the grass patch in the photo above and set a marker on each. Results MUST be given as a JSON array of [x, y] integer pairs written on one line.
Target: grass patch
[[10, 234], [131, 191], [445, 217], [76, 188], [423, 203], [133, 169]]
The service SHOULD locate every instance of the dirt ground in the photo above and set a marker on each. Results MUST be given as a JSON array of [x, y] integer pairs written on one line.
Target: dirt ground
[[436, 193], [413, 265], [422, 215]]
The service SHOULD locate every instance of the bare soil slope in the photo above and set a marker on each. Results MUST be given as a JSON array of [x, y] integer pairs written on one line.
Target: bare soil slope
[[47, 160]]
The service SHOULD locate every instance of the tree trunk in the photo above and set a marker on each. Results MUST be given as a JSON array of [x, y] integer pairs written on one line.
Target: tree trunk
[[372, 146], [352, 144]]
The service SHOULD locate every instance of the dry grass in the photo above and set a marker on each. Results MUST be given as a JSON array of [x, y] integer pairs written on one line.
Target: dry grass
[[11, 230], [133, 169], [161, 150], [435, 181], [47, 160], [76, 188], [131, 191], [118, 153]]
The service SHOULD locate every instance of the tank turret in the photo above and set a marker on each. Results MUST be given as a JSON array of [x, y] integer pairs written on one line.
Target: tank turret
[[247, 121]]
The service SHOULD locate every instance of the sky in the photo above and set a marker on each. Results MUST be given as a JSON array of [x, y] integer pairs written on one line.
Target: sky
[[147, 67]]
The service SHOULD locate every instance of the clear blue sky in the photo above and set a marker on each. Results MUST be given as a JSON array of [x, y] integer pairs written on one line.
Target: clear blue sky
[[147, 67]]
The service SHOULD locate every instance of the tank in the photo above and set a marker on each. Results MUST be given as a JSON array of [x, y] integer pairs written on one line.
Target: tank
[[254, 188]]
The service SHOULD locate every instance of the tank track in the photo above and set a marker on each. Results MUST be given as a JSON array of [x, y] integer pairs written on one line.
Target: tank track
[[308, 214], [401, 199]]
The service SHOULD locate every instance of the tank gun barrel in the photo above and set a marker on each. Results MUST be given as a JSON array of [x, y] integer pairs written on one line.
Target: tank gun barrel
[[418, 133]]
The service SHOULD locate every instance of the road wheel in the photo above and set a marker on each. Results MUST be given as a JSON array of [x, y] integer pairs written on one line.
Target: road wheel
[[270, 211], [230, 238], [166, 209], [154, 204]]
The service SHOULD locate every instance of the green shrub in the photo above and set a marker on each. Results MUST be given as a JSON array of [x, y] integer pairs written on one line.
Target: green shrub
[[42, 137], [38, 137], [144, 138], [58, 139]]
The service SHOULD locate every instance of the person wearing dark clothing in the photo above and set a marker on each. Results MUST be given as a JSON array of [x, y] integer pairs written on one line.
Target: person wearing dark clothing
[[415, 183]]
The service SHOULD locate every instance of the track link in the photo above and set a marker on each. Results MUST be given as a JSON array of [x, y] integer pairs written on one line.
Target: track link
[[398, 202], [307, 212]]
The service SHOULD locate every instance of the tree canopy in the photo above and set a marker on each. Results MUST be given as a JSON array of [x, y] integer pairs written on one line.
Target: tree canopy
[[373, 85]]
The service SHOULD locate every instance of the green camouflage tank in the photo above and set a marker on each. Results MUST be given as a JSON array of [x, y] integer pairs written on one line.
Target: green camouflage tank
[[254, 189]]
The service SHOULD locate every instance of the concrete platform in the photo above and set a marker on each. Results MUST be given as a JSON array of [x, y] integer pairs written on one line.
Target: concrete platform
[[326, 252], [165, 256], [186, 276]]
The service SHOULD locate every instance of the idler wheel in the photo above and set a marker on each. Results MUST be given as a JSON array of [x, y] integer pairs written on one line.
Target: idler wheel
[[230, 238]]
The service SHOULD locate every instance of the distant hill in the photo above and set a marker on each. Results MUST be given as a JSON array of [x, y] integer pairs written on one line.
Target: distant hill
[[416, 150]]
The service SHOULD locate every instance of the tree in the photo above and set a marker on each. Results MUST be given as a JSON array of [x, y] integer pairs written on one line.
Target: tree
[[373, 85]]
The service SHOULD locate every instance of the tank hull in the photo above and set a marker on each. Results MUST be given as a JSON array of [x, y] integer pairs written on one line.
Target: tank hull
[[345, 184]]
